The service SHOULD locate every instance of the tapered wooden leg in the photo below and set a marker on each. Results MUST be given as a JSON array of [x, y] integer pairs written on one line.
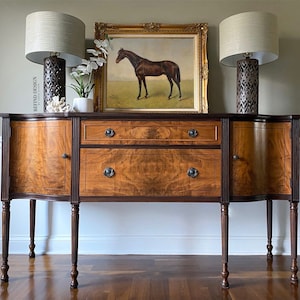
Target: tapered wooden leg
[[5, 240], [75, 226], [269, 229], [32, 228], [294, 230], [224, 221]]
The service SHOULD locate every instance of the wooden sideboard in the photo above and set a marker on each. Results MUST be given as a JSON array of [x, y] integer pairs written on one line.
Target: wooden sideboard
[[150, 157]]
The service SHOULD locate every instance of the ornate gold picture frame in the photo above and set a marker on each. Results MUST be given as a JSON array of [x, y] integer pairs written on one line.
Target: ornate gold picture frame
[[153, 67]]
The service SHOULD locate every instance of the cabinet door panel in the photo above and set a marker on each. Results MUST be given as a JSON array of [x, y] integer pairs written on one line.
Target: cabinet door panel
[[150, 172], [261, 158], [37, 150]]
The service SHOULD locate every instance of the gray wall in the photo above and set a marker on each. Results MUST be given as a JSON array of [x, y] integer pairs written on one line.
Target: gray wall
[[154, 228]]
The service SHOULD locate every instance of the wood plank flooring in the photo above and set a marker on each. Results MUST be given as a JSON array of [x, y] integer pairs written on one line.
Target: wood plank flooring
[[144, 277]]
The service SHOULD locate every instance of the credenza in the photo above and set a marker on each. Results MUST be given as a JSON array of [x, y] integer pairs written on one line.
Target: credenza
[[150, 157]]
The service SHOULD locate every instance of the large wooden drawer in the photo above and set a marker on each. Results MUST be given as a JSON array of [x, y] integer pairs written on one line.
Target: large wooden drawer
[[150, 172], [151, 132]]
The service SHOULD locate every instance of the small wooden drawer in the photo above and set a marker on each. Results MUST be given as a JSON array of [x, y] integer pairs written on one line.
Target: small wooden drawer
[[150, 172], [151, 132]]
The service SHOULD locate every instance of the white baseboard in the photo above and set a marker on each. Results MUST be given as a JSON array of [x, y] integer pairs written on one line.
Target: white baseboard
[[150, 245]]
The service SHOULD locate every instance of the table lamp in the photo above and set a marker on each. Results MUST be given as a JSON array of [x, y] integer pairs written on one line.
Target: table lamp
[[247, 40], [57, 41]]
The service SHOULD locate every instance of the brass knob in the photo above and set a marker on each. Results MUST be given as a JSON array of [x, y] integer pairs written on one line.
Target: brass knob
[[235, 157], [109, 172], [192, 172], [109, 132], [193, 133]]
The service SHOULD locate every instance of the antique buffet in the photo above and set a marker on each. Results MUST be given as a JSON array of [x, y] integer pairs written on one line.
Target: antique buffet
[[150, 157]]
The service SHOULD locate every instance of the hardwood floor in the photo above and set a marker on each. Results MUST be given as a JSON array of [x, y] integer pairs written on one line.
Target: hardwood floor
[[143, 277]]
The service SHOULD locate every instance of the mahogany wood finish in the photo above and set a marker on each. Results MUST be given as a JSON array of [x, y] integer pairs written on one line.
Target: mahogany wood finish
[[46, 146], [255, 169], [80, 157], [150, 132], [150, 172]]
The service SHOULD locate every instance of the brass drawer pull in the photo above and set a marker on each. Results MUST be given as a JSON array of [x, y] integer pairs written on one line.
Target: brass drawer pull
[[109, 172], [235, 157], [192, 172], [109, 132], [193, 133]]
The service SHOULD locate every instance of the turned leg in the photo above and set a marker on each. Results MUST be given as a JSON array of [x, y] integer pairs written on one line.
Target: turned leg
[[293, 228], [5, 240], [269, 229], [75, 226], [224, 222], [32, 227]]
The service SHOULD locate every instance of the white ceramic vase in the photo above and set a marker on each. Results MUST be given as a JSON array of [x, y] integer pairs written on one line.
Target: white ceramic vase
[[83, 105]]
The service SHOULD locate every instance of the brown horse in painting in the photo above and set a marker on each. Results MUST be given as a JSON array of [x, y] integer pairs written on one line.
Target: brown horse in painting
[[144, 67]]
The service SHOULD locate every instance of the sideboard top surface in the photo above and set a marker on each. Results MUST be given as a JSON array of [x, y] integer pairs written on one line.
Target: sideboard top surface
[[151, 116]]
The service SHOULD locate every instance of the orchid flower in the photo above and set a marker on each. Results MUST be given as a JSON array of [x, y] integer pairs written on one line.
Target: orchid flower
[[88, 66]]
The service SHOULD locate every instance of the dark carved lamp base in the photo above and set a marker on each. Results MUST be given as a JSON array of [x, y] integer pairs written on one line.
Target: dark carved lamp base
[[54, 78], [247, 86]]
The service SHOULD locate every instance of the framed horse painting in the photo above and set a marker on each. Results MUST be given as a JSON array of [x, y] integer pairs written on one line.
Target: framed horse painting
[[153, 67]]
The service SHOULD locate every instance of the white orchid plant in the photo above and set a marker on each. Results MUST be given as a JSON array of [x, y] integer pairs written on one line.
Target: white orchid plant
[[84, 86]]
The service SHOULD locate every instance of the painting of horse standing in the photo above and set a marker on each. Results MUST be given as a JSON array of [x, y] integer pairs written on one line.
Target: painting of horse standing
[[144, 67]]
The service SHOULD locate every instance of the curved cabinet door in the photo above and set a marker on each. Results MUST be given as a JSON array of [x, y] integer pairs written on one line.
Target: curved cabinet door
[[41, 157], [260, 158]]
